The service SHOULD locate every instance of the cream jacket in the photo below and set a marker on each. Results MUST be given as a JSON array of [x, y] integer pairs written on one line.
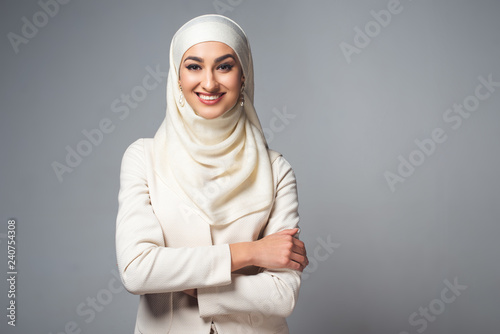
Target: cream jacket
[[164, 247]]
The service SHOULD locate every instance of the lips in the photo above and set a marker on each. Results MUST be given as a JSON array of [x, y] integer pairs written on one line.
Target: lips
[[210, 98]]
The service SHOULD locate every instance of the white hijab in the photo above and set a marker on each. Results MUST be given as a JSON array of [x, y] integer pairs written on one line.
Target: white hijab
[[220, 167]]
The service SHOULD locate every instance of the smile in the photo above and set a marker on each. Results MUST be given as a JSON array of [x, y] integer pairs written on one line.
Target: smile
[[210, 99]]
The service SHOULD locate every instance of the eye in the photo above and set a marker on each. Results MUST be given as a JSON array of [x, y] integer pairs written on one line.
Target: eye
[[225, 67], [193, 67]]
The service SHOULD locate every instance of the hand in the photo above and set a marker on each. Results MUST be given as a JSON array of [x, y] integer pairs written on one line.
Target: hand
[[280, 250], [192, 292]]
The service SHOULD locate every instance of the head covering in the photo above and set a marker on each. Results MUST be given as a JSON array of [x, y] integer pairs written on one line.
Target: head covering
[[220, 167]]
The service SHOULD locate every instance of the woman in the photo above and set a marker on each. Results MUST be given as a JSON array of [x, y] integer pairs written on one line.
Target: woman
[[207, 213]]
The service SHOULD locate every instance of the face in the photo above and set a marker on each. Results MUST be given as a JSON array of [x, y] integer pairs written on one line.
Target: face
[[210, 77]]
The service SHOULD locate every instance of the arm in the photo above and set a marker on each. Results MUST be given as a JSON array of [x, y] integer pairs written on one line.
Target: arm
[[145, 263], [275, 251], [271, 291]]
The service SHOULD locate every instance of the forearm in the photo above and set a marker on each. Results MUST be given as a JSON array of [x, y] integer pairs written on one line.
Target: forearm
[[164, 269], [271, 292]]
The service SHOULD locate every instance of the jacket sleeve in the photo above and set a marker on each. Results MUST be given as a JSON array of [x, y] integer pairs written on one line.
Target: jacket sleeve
[[146, 264], [270, 292]]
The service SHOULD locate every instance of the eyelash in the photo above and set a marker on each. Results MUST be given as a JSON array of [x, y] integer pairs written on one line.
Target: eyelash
[[192, 67], [224, 67], [227, 67]]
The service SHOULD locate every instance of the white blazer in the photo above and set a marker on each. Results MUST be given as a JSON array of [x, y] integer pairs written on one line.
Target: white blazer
[[164, 247]]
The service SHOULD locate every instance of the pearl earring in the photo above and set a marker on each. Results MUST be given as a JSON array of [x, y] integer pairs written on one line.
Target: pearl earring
[[181, 97], [181, 100], [242, 97]]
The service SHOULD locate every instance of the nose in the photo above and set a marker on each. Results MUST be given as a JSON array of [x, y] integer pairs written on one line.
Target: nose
[[210, 83]]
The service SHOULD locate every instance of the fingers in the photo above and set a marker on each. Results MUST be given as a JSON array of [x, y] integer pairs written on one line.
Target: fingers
[[298, 262], [299, 248], [298, 257], [281, 250], [301, 257], [290, 231]]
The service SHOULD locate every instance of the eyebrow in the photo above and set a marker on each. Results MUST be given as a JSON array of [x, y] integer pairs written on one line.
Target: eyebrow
[[219, 59], [194, 58]]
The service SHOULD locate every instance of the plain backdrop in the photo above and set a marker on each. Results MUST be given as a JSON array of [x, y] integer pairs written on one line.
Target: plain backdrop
[[383, 108]]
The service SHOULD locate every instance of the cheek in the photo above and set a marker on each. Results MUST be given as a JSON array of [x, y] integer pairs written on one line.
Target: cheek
[[187, 80], [234, 83]]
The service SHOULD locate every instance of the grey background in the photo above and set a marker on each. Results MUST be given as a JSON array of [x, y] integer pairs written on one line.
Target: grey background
[[393, 251]]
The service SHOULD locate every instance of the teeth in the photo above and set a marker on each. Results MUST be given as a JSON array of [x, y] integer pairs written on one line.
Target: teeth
[[209, 97]]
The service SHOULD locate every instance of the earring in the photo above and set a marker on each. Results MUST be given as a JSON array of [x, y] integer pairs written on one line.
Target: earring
[[181, 100], [181, 97], [242, 97]]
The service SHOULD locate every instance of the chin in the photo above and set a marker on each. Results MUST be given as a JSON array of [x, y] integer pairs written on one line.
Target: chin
[[209, 114], [212, 112]]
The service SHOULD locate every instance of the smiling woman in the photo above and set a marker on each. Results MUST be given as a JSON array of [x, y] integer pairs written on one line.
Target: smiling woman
[[207, 226]]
